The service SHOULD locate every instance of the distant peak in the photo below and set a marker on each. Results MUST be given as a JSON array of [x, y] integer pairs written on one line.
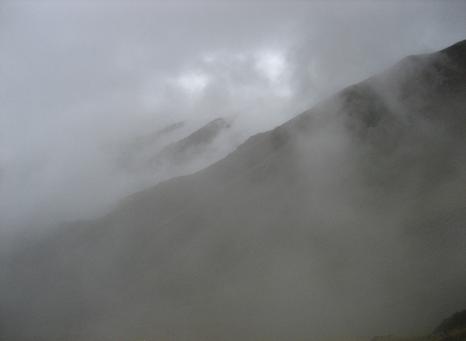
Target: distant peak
[[456, 51], [458, 45]]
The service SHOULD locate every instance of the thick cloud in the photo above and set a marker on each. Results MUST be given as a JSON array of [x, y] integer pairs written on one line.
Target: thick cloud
[[80, 76]]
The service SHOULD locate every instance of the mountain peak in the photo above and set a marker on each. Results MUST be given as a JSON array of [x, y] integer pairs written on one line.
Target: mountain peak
[[458, 44], [456, 51]]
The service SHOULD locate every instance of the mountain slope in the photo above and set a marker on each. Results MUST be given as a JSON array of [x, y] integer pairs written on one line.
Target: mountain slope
[[348, 219], [177, 156], [186, 149]]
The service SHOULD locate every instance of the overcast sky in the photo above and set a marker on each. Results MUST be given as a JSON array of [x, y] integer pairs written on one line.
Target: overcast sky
[[77, 76]]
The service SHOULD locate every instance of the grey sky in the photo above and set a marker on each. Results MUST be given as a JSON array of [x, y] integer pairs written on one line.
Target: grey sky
[[77, 76]]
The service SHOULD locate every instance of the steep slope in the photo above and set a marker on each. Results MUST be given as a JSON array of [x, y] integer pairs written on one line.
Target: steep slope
[[348, 219], [184, 150], [144, 154]]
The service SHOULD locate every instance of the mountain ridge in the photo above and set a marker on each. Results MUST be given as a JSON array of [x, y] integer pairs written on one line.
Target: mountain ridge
[[280, 134], [273, 240]]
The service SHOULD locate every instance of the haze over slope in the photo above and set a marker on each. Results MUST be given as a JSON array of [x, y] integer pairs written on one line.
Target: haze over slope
[[347, 220], [177, 157], [173, 151], [80, 77]]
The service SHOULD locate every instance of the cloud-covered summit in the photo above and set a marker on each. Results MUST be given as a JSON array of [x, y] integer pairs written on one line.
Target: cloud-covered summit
[[79, 76]]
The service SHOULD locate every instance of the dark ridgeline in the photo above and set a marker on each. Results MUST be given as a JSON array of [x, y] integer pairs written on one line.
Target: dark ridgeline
[[348, 219]]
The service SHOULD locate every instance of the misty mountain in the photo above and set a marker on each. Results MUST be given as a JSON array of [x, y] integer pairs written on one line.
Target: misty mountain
[[188, 148], [175, 157], [133, 155], [347, 220], [150, 140]]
